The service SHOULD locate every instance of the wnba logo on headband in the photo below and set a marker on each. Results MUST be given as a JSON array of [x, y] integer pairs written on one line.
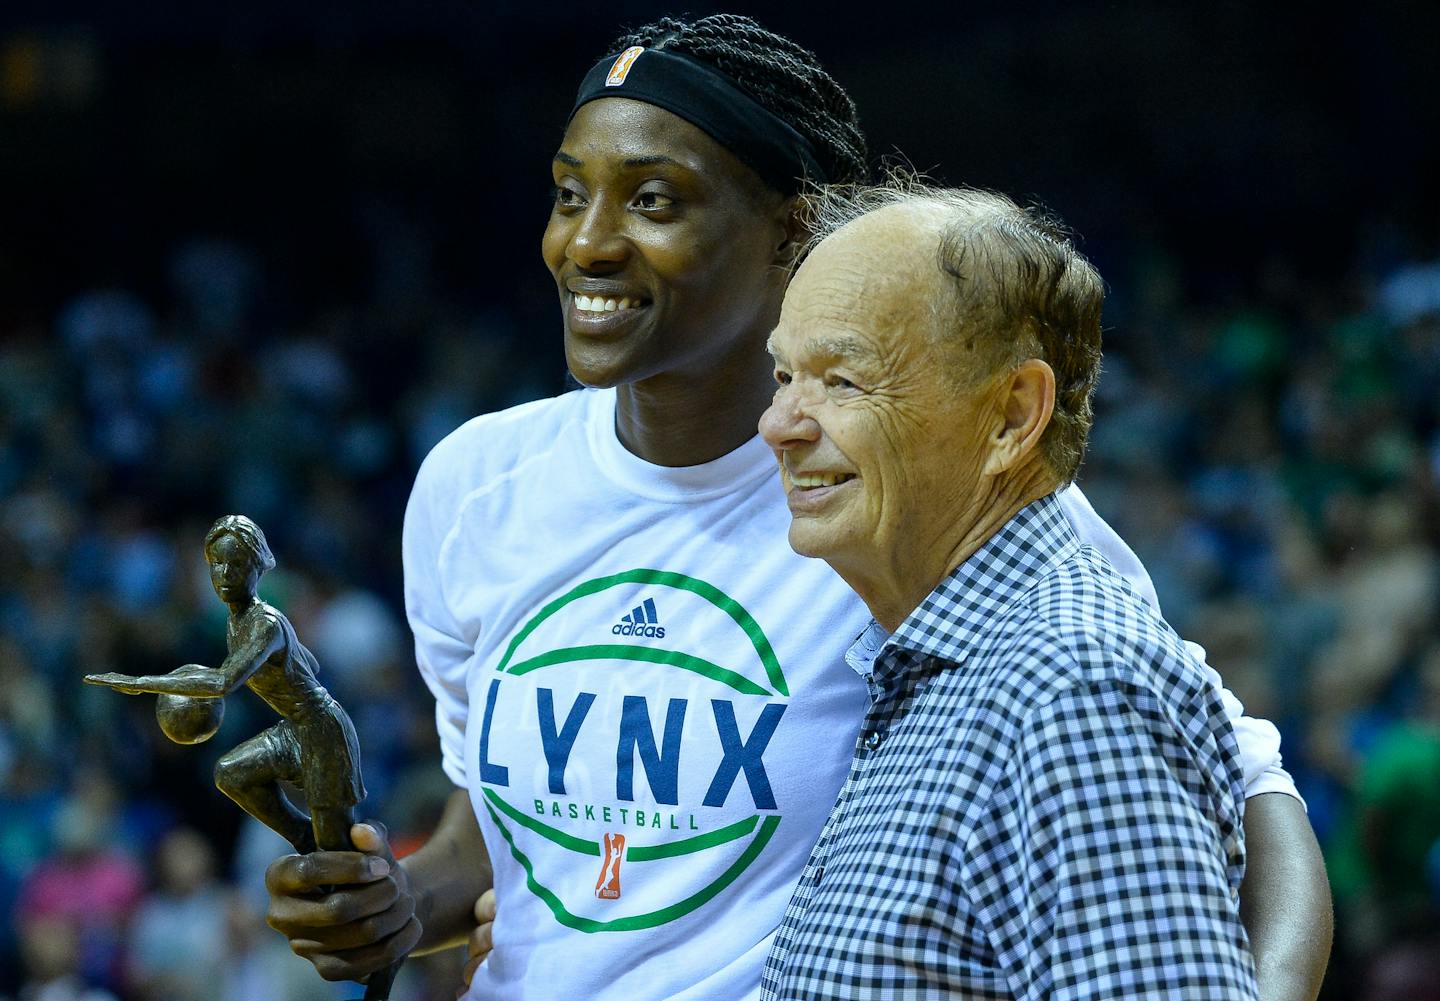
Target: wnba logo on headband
[[712, 102], [621, 68]]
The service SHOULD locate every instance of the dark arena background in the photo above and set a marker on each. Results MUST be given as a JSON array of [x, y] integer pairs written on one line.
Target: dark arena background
[[260, 258]]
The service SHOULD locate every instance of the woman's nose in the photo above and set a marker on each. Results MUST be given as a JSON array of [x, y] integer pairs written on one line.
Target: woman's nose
[[597, 243]]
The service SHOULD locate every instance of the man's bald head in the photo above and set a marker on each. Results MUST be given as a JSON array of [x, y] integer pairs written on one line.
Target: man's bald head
[[998, 284]]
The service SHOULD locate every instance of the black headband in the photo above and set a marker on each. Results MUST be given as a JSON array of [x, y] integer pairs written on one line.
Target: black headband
[[711, 102]]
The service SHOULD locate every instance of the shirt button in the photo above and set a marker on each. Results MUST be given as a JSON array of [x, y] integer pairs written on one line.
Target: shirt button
[[872, 742]]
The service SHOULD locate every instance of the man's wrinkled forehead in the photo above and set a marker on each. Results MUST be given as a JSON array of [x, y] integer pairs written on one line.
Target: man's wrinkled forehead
[[878, 270], [841, 345]]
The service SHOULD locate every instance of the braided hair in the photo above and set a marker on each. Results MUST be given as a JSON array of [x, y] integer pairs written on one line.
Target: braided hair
[[785, 78]]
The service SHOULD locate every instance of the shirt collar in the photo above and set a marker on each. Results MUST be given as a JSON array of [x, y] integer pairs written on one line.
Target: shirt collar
[[862, 653], [953, 617]]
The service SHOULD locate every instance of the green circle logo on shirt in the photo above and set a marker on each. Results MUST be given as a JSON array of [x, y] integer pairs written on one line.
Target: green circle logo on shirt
[[638, 636]]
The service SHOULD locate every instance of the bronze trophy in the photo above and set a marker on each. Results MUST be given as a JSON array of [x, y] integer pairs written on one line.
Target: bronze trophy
[[313, 745]]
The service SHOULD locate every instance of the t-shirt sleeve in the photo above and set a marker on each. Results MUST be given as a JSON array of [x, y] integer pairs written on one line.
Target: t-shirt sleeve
[[1259, 740], [1094, 531], [441, 650], [1108, 864]]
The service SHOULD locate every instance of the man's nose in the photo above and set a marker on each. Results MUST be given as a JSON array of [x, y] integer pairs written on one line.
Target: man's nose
[[786, 423]]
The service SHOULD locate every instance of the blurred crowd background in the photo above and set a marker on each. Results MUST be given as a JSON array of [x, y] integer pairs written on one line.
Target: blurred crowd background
[[260, 261]]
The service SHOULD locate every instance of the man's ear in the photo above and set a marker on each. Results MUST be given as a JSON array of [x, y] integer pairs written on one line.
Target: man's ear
[[1026, 401]]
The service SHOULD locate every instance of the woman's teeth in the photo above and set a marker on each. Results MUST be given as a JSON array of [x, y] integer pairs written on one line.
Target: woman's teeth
[[808, 481], [587, 304]]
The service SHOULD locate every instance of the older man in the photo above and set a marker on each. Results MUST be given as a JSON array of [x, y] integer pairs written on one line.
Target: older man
[[1045, 798]]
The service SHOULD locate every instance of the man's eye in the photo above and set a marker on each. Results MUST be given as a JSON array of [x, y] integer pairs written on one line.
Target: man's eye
[[840, 382], [783, 378], [651, 200]]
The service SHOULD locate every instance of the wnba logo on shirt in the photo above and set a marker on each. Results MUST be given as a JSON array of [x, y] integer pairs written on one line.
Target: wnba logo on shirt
[[607, 887], [621, 67]]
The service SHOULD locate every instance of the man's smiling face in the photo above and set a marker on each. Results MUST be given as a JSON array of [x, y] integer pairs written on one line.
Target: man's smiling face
[[879, 445]]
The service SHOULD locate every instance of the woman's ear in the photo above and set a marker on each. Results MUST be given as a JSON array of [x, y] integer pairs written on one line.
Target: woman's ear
[[793, 233]]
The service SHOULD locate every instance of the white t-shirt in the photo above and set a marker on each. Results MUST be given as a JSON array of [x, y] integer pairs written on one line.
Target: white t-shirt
[[645, 692]]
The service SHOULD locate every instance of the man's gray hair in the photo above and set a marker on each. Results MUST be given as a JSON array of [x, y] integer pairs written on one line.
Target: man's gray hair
[[1020, 290]]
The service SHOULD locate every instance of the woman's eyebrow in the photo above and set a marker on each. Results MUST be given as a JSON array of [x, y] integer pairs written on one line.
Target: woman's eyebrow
[[652, 160]]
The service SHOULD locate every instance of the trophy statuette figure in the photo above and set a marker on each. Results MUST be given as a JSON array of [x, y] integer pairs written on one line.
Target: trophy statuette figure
[[313, 745]]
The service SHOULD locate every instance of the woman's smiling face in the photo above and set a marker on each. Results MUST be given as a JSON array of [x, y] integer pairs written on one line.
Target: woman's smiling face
[[663, 245]]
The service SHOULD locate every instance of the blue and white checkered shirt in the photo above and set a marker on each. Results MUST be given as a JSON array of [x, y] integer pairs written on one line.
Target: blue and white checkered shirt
[[1045, 801]]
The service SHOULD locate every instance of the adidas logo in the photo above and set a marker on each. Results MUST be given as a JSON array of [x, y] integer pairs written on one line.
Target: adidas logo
[[641, 621]]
